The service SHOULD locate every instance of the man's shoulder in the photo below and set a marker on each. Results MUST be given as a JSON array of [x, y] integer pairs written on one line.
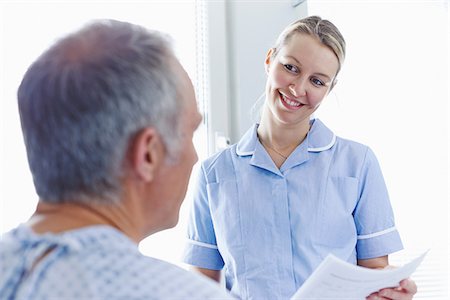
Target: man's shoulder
[[123, 274], [164, 280]]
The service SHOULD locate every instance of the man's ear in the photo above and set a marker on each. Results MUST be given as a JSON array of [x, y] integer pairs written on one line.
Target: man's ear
[[268, 59], [147, 154]]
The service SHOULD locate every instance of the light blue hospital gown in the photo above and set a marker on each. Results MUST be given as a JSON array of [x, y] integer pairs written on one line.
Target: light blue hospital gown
[[96, 262], [269, 228]]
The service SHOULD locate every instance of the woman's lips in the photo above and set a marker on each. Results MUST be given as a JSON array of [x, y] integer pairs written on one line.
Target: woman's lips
[[290, 103]]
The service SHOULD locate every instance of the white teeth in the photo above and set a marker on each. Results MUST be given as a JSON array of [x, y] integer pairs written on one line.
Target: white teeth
[[290, 102]]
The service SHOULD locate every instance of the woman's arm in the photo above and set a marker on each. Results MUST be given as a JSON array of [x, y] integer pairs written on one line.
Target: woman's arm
[[213, 274], [374, 263]]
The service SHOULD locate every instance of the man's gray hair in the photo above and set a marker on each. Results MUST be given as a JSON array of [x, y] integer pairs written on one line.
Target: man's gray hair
[[84, 99]]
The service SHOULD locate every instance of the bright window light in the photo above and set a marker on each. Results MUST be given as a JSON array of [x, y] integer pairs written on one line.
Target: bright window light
[[27, 29]]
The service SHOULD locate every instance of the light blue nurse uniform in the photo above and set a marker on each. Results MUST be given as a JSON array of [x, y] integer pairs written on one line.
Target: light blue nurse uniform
[[269, 228]]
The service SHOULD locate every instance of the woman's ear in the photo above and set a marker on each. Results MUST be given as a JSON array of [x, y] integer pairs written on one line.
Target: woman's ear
[[268, 59], [147, 154], [333, 84]]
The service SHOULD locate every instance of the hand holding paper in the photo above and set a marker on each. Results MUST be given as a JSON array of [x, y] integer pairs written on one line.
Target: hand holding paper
[[337, 279], [405, 291]]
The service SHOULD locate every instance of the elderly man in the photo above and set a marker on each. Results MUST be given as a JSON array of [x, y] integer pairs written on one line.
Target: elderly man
[[108, 114]]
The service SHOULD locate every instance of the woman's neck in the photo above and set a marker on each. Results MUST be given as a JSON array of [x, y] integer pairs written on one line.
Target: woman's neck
[[281, 136], [279, 139]]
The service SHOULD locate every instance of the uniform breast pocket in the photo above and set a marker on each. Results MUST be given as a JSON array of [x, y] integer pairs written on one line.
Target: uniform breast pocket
[[335, 215]]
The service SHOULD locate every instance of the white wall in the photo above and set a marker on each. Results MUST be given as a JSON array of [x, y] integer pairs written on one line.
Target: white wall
[[241, 33]]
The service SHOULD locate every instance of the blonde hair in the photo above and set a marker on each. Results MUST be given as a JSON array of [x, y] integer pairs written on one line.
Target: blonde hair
[[325, 31]]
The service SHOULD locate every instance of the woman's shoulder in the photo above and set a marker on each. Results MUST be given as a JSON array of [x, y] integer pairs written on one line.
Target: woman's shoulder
[[357, 153], [349, 144], [321, 138], [221, 159], [349, 147], [228, 157]]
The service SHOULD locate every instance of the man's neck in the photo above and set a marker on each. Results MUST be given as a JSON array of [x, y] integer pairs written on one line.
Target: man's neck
[[57, 218]]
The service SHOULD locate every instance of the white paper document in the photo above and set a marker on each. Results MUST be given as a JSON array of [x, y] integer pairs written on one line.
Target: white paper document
[[338, 279]]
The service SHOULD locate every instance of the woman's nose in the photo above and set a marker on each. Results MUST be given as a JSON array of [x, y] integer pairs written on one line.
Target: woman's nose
[[298, 88]]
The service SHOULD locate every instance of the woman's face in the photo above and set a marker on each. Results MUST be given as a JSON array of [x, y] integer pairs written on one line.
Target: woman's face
[[299, 78]]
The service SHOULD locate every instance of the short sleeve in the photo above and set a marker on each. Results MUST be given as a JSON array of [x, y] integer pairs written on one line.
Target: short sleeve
[[374, 218], [201, 248]]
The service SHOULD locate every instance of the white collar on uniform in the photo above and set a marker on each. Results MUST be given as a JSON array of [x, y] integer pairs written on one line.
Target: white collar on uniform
[[319, 138]]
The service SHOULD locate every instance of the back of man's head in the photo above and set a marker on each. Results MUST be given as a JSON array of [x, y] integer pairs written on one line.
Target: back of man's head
[[83, 100]]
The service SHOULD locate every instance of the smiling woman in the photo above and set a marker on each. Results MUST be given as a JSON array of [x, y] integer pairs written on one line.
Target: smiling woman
[[268, 218], [27, 29], [300, 71]]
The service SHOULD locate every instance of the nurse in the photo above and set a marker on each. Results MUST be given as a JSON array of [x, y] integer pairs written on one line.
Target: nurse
[[270, 208]]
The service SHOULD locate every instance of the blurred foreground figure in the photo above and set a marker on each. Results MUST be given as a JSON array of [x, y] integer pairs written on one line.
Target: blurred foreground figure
[[108, 114]]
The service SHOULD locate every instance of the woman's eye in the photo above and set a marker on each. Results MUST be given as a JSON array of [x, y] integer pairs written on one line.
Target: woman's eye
[[291, 68], [317, 81]]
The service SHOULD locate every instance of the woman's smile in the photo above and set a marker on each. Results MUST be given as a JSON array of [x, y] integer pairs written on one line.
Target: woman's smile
[[290, 103]]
